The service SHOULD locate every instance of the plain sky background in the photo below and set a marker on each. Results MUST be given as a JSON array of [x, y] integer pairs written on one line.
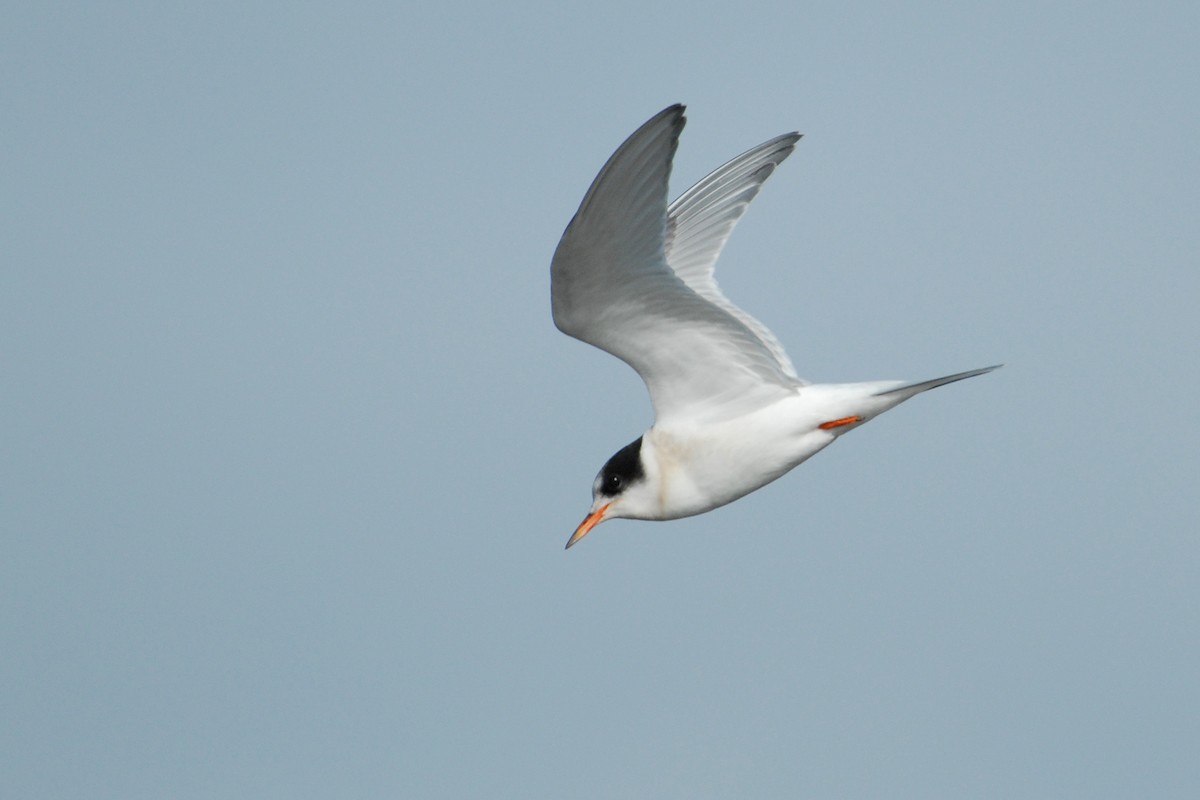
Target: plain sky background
[[291, 446]]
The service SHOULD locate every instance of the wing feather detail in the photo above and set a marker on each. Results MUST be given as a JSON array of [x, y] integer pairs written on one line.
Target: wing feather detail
[[701, 219], [636, 281]]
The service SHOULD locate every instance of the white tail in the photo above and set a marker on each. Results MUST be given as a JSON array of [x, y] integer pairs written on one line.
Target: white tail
[[911, 389]]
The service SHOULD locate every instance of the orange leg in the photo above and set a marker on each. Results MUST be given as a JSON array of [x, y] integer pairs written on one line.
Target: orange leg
[[838, 423]]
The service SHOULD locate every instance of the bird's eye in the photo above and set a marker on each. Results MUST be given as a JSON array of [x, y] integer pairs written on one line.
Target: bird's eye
[[613, 484]]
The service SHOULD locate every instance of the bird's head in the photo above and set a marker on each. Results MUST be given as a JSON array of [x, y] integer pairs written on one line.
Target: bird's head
[[626, 487]]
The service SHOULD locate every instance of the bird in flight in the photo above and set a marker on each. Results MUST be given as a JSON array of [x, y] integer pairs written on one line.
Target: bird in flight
[[633, 276]]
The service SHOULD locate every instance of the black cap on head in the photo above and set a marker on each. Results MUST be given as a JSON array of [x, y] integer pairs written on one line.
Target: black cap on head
[[623, 469]]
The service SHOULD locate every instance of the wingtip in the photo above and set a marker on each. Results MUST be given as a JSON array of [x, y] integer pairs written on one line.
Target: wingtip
[[677, 110], [782, 145]]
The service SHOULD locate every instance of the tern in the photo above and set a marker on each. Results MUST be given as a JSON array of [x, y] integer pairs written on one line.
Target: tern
[[633, 276]]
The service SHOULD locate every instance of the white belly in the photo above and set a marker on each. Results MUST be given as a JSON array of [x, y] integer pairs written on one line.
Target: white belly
[[708, 465], [711, 465]]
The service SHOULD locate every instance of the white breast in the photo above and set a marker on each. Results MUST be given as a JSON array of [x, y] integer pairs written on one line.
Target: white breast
[[706, 466]]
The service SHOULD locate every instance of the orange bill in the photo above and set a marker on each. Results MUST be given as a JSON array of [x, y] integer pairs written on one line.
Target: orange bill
[[593, 519]]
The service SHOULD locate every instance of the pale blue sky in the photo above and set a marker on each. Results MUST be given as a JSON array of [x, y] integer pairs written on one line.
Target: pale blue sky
[[291, 447]]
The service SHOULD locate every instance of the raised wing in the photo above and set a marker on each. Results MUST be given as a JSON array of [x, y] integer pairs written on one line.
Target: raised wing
[[701, 219], [612, 287]]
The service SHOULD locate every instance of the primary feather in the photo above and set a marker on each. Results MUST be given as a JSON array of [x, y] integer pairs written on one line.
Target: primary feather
[[634, 277]]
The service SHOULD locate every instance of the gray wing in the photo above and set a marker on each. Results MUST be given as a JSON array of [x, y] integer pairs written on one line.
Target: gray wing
[[613, 288], [701, 219]]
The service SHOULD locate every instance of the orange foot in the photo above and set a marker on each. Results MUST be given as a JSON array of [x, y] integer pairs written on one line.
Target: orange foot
[[838, 423]]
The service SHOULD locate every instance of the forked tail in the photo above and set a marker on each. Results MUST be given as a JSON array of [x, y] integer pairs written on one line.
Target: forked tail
[[911, 389]]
